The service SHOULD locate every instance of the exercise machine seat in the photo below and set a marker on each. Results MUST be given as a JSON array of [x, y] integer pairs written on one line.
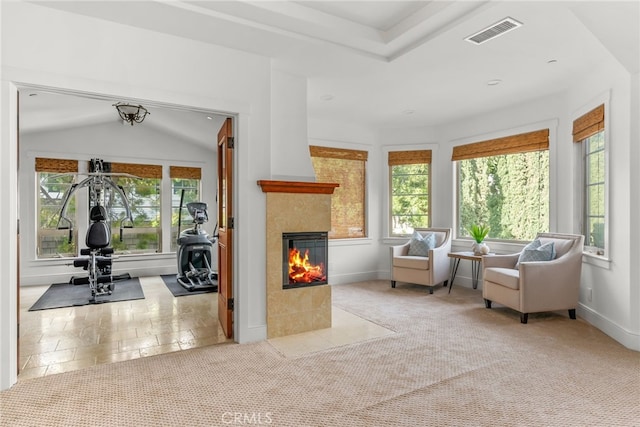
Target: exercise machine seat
[[98, 234]]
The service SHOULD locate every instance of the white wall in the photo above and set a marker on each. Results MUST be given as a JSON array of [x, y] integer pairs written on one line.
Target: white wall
[[112, 142], [612, 286], [42, 46], [290, 160]]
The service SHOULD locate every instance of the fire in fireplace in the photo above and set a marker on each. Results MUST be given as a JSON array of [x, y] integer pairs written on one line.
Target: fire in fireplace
[[304, 259]]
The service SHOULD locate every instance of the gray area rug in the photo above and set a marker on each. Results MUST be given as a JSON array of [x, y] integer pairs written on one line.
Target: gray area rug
[[450, 362], [68, 295]]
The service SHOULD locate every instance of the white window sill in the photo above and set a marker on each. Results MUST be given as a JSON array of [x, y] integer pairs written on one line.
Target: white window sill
[[596, 260]]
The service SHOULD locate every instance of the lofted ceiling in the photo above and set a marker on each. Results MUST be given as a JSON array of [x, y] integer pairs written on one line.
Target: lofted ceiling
[[391, 64]]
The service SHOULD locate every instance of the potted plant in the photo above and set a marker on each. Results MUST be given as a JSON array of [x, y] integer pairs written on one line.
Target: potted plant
[[478, 233]]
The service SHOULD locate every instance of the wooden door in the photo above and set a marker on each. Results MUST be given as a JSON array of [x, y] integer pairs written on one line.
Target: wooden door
[[225, 227]]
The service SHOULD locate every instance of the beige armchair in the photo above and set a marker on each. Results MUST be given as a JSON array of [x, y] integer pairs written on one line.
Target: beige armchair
[[430, 270], [539, 286]]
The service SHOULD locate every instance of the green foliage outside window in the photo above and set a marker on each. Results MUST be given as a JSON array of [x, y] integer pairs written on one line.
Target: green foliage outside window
[[509, 193], [54, 243], [143, 195], [191, 189], [594, 206], [409, 198]]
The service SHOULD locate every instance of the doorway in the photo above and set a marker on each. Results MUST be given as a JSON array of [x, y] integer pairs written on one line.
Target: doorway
[[101, 333]]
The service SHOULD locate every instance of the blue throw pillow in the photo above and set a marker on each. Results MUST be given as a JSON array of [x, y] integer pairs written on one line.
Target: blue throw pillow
[[536, 251], [420, 245]]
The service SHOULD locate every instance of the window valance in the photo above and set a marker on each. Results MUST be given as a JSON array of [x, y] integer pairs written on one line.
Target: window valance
[[139, 170], [338, 153], [588, 124], [522, 143], [56, 165], [410, 157], [185, 172]]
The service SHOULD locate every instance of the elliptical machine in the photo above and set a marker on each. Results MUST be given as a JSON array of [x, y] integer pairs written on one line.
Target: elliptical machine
[[194, 253]]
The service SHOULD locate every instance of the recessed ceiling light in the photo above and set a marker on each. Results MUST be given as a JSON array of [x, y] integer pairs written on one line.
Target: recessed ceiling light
[[209, 118], [494, 82], [327, 97]]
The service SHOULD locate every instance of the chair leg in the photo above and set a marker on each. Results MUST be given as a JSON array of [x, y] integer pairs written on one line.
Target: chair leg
[[572, 313], [524, 317], [430, 289], [445, 283], [487, 303], [393, 283]]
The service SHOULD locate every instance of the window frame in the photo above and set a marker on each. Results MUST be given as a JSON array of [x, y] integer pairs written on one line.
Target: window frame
[[505, 136], [173, 236], [593, 252], [429, 163], [79, 168], [40, 231], [586, 187], [157, 231]]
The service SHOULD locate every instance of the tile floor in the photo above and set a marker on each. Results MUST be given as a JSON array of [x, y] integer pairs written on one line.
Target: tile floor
[[346, 328], [65, 339]]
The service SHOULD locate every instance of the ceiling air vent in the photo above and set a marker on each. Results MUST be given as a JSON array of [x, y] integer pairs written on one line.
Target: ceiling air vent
[[493, 31]]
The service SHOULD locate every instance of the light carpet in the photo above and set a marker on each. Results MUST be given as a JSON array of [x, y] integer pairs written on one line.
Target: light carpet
[[450, 362]]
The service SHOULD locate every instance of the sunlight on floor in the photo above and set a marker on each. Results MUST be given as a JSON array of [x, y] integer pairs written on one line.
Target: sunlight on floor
[[346, 328]]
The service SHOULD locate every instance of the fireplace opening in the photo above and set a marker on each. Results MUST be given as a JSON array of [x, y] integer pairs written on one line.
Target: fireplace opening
[[304, 259]]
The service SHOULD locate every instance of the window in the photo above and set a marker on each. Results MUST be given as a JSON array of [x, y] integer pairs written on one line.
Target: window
[[187, 179], [54, 178], [347, 168], [588, 130], [504, 183], [410, 190], [142, 186], [143, 194]]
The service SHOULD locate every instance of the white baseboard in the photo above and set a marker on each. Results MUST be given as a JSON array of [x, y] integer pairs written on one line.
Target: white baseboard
[[342, 279], [629, 339], [251, 334]]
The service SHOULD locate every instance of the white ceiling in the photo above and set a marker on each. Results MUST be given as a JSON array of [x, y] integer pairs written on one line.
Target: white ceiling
[[391, 64]]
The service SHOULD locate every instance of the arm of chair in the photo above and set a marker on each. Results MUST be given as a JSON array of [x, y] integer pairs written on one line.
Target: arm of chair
[[439, 262], [501, 261], [400, 250], [550, 285]]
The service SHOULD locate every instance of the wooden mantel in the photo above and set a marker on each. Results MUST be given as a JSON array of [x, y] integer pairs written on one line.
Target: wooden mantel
[[297, 187]]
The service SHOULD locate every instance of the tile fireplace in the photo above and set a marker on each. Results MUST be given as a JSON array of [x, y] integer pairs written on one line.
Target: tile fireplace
[[302, 209]]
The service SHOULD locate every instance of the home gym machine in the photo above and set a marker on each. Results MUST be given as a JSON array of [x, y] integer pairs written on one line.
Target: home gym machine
[[97, 258], [194, 251]]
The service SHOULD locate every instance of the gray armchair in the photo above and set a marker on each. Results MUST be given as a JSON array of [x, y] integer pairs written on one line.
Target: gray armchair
[[430, 270], [538, 286]]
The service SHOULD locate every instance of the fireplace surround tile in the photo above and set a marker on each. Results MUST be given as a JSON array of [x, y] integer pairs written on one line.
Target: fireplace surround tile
[[292, 311]]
